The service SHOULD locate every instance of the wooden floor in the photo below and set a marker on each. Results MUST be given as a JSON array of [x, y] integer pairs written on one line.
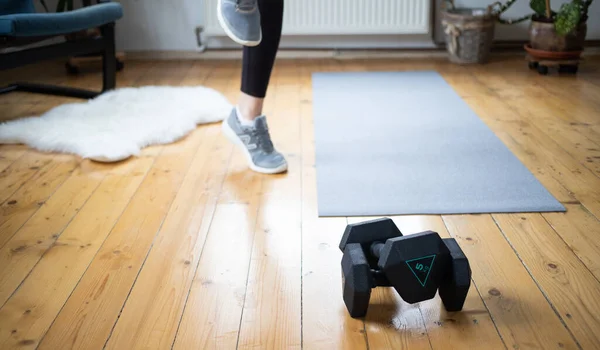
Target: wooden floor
[[183, 247]]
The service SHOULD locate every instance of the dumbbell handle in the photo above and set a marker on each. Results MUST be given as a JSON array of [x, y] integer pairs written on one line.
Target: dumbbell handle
[[379, 279], [376, 248]]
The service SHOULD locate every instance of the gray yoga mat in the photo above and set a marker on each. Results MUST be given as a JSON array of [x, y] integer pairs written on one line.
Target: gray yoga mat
[[393, 143]]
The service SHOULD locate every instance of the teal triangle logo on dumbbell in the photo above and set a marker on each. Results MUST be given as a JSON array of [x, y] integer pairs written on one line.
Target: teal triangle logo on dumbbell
[[421, 267]]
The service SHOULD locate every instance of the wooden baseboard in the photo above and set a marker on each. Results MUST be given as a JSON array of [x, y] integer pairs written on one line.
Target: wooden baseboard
[[438, 53], [500, 47], [284, 54]]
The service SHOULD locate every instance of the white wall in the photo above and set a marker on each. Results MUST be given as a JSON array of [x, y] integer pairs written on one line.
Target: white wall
[[154, 25], [170, 25], [159, 25]]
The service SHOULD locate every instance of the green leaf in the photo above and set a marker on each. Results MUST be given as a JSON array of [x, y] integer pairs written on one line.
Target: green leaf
[[538, 6], [567, 18]]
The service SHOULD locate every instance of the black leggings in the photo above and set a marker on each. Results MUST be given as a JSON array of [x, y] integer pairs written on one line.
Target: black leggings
[[258, 60]]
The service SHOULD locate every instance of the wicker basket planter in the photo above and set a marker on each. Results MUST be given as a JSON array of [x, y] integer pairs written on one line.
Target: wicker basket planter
[[469, 33]]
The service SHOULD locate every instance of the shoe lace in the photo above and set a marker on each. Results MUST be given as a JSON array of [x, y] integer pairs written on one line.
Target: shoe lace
[[245, 4], [261, 134]]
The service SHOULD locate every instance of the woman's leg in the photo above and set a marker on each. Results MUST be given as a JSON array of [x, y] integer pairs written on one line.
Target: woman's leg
[[247, 125], [258, 60]]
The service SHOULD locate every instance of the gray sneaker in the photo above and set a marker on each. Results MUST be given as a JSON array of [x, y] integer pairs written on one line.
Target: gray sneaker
[[256, 143], [240, 19]]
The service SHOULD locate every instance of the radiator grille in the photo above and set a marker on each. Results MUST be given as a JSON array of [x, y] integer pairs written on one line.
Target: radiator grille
[[331, 17]]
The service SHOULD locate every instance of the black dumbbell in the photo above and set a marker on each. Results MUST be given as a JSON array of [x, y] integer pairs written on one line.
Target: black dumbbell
[[376, 254], [456, 281], [358, 278], [360, 272]]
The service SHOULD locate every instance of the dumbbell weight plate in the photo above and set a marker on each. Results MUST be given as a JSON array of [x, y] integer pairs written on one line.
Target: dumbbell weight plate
[[414, 264], [367, 232], [356, 280], [456, 282]]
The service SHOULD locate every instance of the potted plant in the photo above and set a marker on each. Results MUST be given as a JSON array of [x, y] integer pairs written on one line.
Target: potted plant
[[470, 30], [558, 37], [557, 31]]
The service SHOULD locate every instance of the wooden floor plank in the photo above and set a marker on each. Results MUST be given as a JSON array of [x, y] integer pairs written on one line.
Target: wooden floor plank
[[212, 315], [581, 99], [39, 181], [22, 204], [90, 313], [17, 174], [271, 316], [326, 323], [31, 179], [48, 72], [213, 310], [267, 268], [569, 286], [582, 145], [578, 146], [69, 181], [532, 103], [522, 314], [27, 315], [25, 201], [576, 99], [108, 281], [10, 153], [581, 232], [75, 257], [140, 74], [40, 232], [466, 329], [153, 309], [182, 236]]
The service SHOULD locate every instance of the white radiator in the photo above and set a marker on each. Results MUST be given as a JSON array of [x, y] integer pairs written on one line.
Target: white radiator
[[339, 17]]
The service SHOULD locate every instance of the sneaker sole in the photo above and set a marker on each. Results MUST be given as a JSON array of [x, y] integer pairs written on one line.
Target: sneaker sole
[[230, 34], [232, 136]]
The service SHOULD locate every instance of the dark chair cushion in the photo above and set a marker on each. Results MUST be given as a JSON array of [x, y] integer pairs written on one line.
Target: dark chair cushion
[[48, 24], [9, 7]]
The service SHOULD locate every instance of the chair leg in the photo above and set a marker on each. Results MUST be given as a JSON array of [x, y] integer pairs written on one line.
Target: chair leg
[[9, 88], [46, 89], [109, 58], [104, 45]]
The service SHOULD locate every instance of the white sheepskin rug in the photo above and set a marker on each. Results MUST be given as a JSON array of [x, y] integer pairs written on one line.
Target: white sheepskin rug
[[118, 124]]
